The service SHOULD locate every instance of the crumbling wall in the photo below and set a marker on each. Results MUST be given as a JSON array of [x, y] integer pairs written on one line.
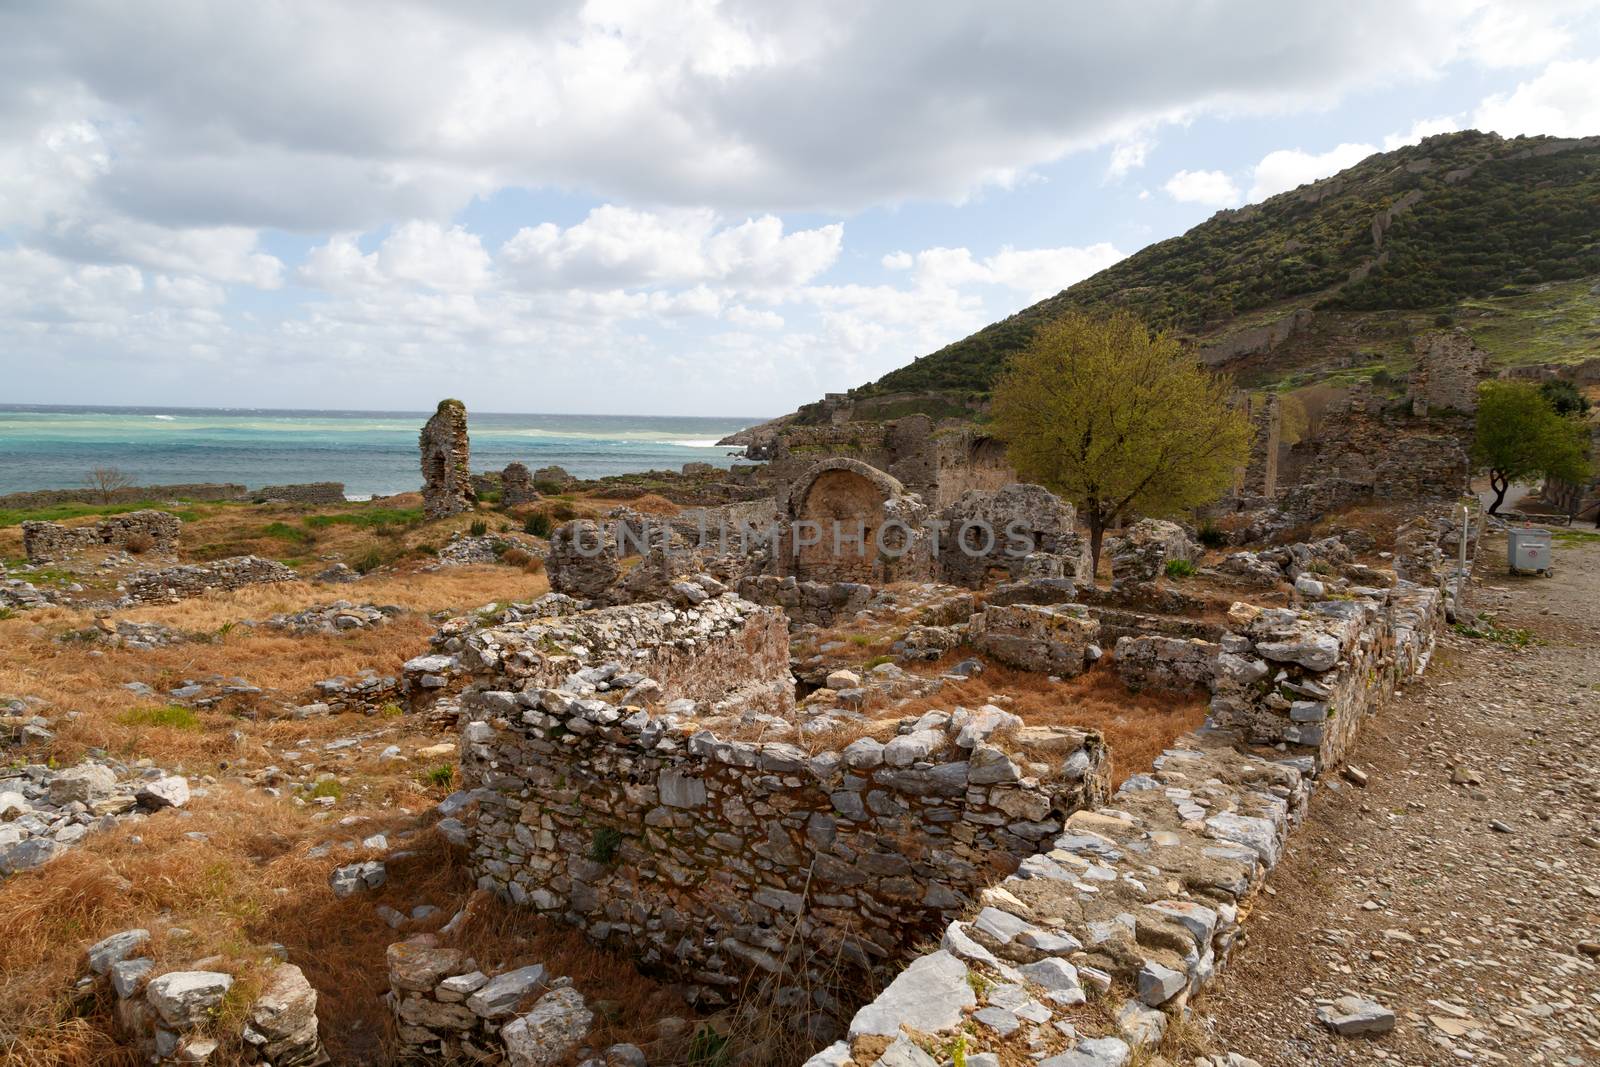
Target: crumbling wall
[[303, 493], [819, 603], [1449, 367], [701, 856], [847, 521], [195, 579], [1166, 664], [516, 486], [1058, 639], [1141, 552], [446, 457], [47, 541], [1144, 899], [1306, 678], [989, 530]]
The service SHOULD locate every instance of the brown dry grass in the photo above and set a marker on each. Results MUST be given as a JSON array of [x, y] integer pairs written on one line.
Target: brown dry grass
[[1137, 727]]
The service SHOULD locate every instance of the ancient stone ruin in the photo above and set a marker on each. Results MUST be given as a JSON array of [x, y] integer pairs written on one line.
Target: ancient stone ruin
[[516, 486], [446, 470], [143, 531], [196, 579]]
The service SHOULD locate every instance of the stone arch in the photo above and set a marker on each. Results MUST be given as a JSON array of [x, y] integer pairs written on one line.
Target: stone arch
[[845, 495]]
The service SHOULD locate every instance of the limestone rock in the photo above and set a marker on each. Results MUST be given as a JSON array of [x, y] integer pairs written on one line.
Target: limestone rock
[[1355, 1016], [283, 1020], [185, 999], [112, 950], [502, 993], [168, 791], [556, 1026], [929, 996]]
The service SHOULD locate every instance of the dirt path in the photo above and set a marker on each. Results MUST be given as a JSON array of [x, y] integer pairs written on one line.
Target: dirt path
[[1460, 906]]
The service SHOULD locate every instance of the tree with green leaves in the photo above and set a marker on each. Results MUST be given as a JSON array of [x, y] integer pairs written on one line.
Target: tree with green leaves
[[1118, 420], [1520, 436]]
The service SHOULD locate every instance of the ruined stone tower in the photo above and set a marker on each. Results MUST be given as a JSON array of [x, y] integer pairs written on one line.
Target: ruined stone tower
[[446, 476]]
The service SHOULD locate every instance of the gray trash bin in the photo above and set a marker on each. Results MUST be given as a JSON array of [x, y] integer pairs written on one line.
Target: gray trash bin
[[1528, 551]]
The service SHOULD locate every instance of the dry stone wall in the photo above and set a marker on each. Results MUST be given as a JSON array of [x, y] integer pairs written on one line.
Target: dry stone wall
[[1143, 898], [1306, 678], [302, 493], [47, 541], [194, 579], [598, 796]]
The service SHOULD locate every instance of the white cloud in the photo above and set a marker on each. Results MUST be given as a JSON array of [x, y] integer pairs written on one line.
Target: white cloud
[[1289, 168], [623, 246], [1563, 100], [754, 318], [415, 253], [1420, 129], [1035, 272], [270, 114], [897, 261], [1128, 155], [1212, 188]]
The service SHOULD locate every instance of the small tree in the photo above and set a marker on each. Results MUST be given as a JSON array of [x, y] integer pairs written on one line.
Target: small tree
[[1118, 420], [1520, 436], [106, 481]]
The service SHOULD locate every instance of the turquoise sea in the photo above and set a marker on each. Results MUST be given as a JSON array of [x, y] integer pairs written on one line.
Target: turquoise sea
[[371, 452]]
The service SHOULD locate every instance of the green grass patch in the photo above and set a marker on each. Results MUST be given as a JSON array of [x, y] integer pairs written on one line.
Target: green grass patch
[[1575, 537], [58, 512], [369, 517], [1484, 628], [442, 776], [172, 716], [328, 787], [284, 532], [1180, 568]]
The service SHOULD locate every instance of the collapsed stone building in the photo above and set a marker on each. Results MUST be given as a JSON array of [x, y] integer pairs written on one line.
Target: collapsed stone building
[[638, 762], [142, 531], [446, 462]]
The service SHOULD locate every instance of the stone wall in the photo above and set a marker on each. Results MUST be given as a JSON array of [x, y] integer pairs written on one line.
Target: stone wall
[[1395, 455], [516, 486], [1306, 678], [446, 458], [1260, 475], [302, 493], [986, 531], [134, 494], [818, 603], [153, 531], [171, 1015], [1448, 370], [1166, 664], [194, 579], [601, 794], [715, 859], [1056, 639], [1143, 899], [446, 1010]]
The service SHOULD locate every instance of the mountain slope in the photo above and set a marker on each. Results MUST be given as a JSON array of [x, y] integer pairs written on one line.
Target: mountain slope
[[1460, 217]]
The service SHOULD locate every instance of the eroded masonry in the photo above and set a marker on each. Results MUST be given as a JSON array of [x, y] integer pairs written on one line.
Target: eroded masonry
[[687, 752]]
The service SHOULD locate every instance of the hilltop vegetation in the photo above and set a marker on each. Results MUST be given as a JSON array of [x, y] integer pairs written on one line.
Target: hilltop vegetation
[[1462, 221]]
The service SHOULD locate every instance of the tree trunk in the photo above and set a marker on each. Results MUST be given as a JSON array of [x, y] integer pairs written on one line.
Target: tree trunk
[[1097, 530], [1499, 484]]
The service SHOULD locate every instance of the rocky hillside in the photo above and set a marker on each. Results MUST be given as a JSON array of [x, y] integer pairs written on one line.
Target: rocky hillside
[[1334, 278]]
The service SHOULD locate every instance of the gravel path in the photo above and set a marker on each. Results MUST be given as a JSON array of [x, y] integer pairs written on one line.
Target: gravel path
[[1461, 887]]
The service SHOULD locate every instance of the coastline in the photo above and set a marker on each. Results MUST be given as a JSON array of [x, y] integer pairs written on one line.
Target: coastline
[[52, 447]]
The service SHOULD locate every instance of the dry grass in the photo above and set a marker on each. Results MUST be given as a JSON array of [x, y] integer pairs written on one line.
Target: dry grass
[[1137, 727]]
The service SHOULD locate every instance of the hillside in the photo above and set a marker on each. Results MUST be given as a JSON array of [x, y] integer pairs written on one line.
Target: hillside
[[1337, 275]]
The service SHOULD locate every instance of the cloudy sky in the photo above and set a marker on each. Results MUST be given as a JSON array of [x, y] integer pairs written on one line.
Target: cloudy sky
[[673, 207]]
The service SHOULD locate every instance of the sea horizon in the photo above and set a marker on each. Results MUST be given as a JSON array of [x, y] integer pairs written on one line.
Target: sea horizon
[[373, 452]]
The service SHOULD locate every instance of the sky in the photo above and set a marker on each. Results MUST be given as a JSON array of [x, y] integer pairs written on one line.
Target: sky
[[678, 207]]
